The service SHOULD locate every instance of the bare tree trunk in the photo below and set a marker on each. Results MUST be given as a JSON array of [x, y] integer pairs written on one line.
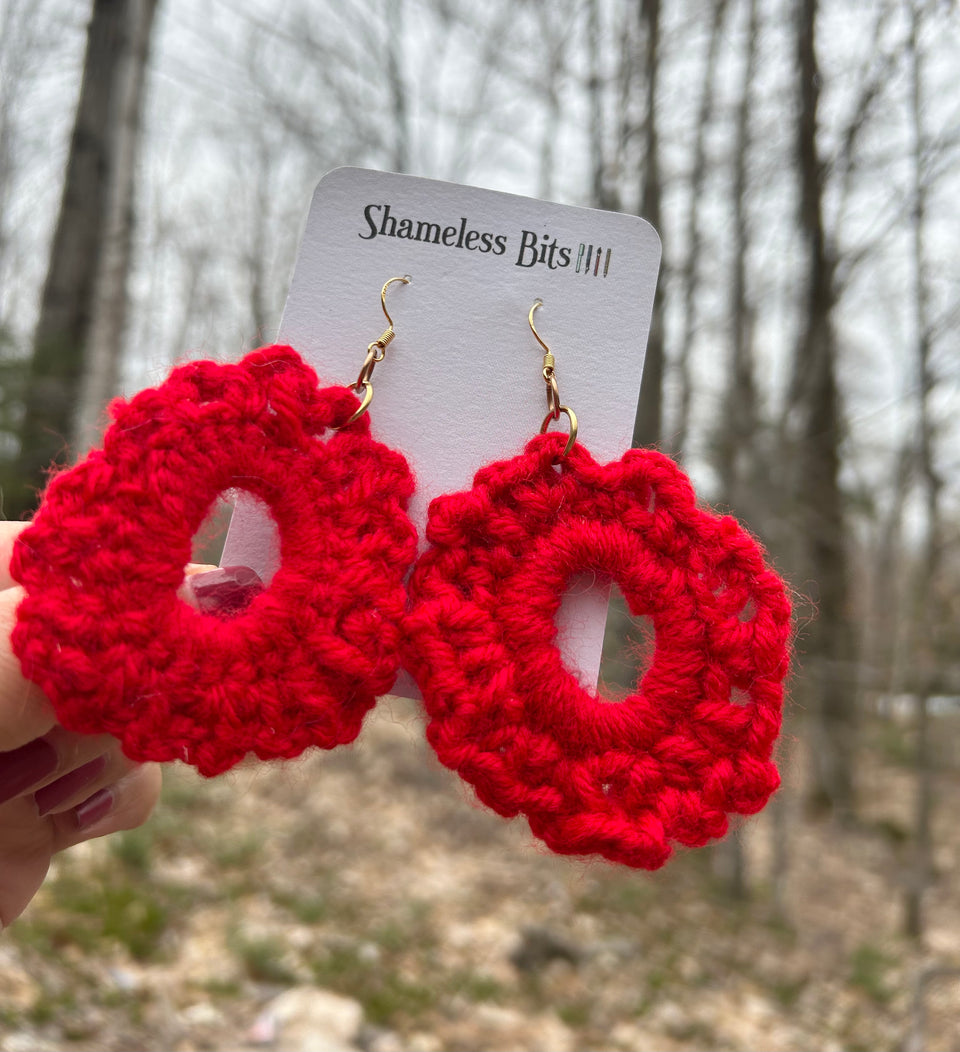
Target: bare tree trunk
[[195, 262], [16, 54], [780, 824], [736, 436], [625, 29], [882, 633], [601, 194], [815, 410], [553, 59], [647, 430], [931, 487], [690, 274], [259, 308], [105, 342], [398, 88], [597, 152], [258, 174], [547, 160], [618, 660], [63, 327]]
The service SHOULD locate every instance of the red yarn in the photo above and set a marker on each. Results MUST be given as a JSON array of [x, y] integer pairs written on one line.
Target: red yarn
[[619, 779], [102, 631]]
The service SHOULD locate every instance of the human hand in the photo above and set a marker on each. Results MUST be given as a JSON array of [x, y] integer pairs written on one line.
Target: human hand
[[58, 788]]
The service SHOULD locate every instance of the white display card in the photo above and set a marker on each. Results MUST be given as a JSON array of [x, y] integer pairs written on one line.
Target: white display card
[[461, 384]]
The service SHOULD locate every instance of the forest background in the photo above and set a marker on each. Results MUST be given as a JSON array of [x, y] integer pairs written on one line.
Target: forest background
[[799, 159]]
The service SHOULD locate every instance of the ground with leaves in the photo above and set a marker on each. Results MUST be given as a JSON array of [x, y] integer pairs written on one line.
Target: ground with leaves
[[371, 873]]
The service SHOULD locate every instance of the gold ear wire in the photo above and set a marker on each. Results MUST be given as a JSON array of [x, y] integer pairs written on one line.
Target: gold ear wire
[[388, 334], [376, 352], [537, 304], [554, 408]]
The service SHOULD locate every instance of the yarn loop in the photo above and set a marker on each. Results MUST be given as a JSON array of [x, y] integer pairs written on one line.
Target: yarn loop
[[102, 631], [691, 744]]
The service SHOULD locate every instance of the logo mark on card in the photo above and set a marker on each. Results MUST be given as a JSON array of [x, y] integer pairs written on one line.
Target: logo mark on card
[[591, 265]]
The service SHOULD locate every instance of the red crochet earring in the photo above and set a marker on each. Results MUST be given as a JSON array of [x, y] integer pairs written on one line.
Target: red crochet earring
[[102, 630], [692, 743]]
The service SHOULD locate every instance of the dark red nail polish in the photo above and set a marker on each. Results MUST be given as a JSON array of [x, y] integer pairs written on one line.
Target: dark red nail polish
[[94, 808], [226, 591], [52, 795], [24, 767]]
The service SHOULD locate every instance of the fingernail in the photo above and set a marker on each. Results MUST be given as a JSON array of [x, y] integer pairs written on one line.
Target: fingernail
[[226, 591], [53, 795], [94, 808], [24, 767]]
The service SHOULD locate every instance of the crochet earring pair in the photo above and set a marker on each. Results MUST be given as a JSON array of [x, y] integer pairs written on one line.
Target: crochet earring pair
[[103, 633]]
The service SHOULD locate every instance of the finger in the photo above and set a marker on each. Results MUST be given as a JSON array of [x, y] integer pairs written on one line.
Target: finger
[[75, 749], [58, 765], [20, 877], [9, 532], [28, 841], [223, 590], [192, 569], [25, 713], [92, 763], [125, 804]]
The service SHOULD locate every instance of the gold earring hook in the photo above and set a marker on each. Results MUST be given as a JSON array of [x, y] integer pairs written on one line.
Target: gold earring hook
[[406, 279], [537, 304], [554, 408], [549, 364], [376, 352]]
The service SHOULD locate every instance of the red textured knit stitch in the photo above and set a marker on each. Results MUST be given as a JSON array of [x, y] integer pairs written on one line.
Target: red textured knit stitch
[[619, 779], [102, 631]]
